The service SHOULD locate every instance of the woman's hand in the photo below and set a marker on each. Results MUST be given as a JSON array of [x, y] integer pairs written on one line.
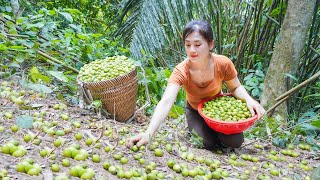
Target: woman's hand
[[139, 140], [255, 107]]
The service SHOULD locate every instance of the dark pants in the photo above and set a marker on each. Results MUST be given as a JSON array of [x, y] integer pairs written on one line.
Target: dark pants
[[211, 139]]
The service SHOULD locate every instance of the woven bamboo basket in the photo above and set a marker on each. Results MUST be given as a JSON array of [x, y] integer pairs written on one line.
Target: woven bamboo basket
[[118, 95]]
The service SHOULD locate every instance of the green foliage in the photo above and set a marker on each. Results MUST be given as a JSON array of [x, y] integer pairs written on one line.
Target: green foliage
[[24, 121], [253, 82], [35, 76], [308, 125], [96, 104], [62, 35], [156, 79], [196, 140], [36, 87]]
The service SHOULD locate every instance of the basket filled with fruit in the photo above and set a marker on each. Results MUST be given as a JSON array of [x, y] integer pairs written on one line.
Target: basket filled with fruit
[[226, 114], [114, 81]]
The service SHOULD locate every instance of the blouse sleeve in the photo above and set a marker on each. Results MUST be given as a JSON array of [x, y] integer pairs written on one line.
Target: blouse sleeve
[[178, 76], [230, 70]]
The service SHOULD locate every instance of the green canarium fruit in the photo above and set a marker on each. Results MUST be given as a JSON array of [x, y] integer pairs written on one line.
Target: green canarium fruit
[[65, 162], [78, 136], [158, 152], [124, 160], [89, 141], [96, 158], [226, 108], [14, 128], [169, 148], [55, 168], [27, 137], [105, 69]]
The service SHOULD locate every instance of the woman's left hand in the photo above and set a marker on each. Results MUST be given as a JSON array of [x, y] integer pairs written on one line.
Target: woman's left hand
[[255, 107]]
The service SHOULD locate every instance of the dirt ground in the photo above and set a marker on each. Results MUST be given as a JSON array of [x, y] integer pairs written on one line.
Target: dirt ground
[[110, 133]]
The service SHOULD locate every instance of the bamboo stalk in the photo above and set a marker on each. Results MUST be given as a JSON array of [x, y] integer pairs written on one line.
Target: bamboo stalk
[[306, 89], [298, 87], [253, 35], [57, 61], [219, 27], [17, 35], [314, 50], [264, 14], [237, 28]]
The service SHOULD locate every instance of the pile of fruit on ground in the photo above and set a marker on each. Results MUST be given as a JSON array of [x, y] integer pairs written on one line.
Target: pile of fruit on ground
[[67, 142]]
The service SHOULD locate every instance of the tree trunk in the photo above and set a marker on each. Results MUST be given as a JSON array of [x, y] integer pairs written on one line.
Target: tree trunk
[[287, 52]]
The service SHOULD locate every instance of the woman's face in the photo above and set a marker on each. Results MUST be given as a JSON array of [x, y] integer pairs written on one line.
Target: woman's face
[[196, 46]]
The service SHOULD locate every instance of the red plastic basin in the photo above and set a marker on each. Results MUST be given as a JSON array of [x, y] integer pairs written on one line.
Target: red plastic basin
[[223, 126]]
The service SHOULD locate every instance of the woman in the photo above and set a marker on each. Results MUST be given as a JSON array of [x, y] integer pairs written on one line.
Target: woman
[[201, 74]]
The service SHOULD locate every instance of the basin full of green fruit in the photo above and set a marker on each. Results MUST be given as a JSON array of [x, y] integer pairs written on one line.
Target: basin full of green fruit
[[226, 114], [114, 81]]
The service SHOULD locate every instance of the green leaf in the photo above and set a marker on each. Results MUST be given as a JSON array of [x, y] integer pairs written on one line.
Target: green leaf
[[20, 58], [255, 92], [37, 87], [96, 35], [316, 123], [275, 12], [20, 20], [78, 28], [196, 140], [248, 77], [292, 77], [24, 121], [313, 96], [34, 70], [143, 52], [13, 64], [316, 173], [74, 11], [11, 25], [3, 47], [52, 12], [280, 142], [307, 116], [308, 127], [67, 16], [35, 75], [17, 47], [176, 111], [44, 78], [59, 75], [8, 9], [60, 96], [269, 3], [83, 36], [96, 103]]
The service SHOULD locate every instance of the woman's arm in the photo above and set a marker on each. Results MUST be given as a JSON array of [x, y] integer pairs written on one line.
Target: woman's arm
[[163, 108], [240, 92], [159, 115]]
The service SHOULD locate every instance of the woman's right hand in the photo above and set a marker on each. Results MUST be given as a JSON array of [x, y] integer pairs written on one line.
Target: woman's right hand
[[139, 140]]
